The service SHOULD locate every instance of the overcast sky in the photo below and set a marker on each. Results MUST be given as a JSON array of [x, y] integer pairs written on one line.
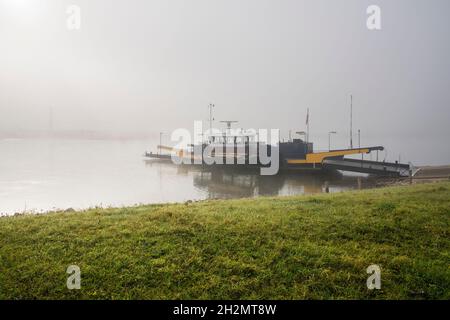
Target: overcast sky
[[151, 65]]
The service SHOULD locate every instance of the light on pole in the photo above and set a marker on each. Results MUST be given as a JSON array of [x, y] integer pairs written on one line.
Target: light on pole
[[329, 139], [160, 142], [359, 138]]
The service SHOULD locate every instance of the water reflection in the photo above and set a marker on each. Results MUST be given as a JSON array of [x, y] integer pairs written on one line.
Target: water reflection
[[232, 182], [79, 174]]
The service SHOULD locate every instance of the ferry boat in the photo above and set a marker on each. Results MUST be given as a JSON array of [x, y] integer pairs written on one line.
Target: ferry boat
[[243, 150]]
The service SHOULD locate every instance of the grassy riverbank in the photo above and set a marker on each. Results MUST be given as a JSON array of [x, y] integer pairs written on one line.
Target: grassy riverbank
[[305, 247]]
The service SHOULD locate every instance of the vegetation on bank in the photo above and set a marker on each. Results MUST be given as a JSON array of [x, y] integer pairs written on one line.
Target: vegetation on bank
[[302, 247]]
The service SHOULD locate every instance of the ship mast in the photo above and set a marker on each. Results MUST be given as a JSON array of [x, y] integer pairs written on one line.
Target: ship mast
[[307, 126]]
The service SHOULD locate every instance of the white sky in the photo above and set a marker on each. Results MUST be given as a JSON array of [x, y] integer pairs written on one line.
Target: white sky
[[156, 64]]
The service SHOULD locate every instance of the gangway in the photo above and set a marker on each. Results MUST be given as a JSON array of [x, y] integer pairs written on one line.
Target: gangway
[[365, 166]]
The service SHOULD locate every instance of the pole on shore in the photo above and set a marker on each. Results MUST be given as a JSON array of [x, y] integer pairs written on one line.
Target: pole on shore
[[359, 144], [211, 119], [351, 121]]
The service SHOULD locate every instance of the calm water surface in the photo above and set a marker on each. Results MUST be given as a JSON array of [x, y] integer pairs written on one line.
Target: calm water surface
[[38, 175]]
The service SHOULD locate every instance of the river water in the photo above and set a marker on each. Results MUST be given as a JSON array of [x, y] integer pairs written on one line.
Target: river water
[[39, 175]]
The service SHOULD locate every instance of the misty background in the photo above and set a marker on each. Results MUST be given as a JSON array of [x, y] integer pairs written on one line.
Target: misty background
[[140, 67]]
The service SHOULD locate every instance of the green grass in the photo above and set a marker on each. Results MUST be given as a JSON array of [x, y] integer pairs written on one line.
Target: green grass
[[305, 247]]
